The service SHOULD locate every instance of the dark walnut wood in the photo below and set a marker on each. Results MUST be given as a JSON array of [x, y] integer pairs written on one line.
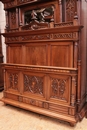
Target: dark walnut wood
[[1, 72], [44, 66]]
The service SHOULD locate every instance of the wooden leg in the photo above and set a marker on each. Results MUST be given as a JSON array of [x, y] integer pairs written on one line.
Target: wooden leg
[[72, 124]]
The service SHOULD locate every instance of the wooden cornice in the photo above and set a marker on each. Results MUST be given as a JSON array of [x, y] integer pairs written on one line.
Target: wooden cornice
[[45, 31], [6, 1]]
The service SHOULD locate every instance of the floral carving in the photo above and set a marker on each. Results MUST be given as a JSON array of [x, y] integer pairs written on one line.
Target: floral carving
[[33, 84]]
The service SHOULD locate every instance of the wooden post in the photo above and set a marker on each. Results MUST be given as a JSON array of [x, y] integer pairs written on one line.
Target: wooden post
[[79, 83], [75, 54], [73, 91], [20, 18], [17, 17], [60, 6]]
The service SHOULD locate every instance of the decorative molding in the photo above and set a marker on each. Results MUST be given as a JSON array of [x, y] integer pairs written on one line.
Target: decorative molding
[[33, 37], [33, 84], [56, 70], [64, 24], [25, 1], [34, 102], [36, 37], [12, 39], [63, 36], [35, 25], [10, 4]]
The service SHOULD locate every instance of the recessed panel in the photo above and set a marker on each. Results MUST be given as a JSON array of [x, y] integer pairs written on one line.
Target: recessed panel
[[15, 55], [62, 55], [36, 55]]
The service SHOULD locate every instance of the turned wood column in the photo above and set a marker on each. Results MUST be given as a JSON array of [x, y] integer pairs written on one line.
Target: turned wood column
[[20, 17], [60, 6], [17, 17], [79, 83], [73, 91], [75, 54]]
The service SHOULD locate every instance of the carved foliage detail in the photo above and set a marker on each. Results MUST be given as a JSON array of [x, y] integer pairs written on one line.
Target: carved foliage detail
[[13, 81], [58, 87], [33, 84], [70, 9]]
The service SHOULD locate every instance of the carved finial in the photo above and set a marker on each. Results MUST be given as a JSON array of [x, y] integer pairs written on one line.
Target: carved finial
[[75, 20]]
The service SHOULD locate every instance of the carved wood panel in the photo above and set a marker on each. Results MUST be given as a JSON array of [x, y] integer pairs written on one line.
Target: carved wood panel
[[60, 88], [70, 9], [12, 80], [33, 84]]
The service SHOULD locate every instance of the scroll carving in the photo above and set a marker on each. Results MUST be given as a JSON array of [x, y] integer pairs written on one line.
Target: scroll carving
[[33, 84], [13, 81], [58, 88]]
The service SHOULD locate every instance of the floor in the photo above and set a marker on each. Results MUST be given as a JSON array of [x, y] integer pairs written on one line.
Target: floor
[[12, 118]]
